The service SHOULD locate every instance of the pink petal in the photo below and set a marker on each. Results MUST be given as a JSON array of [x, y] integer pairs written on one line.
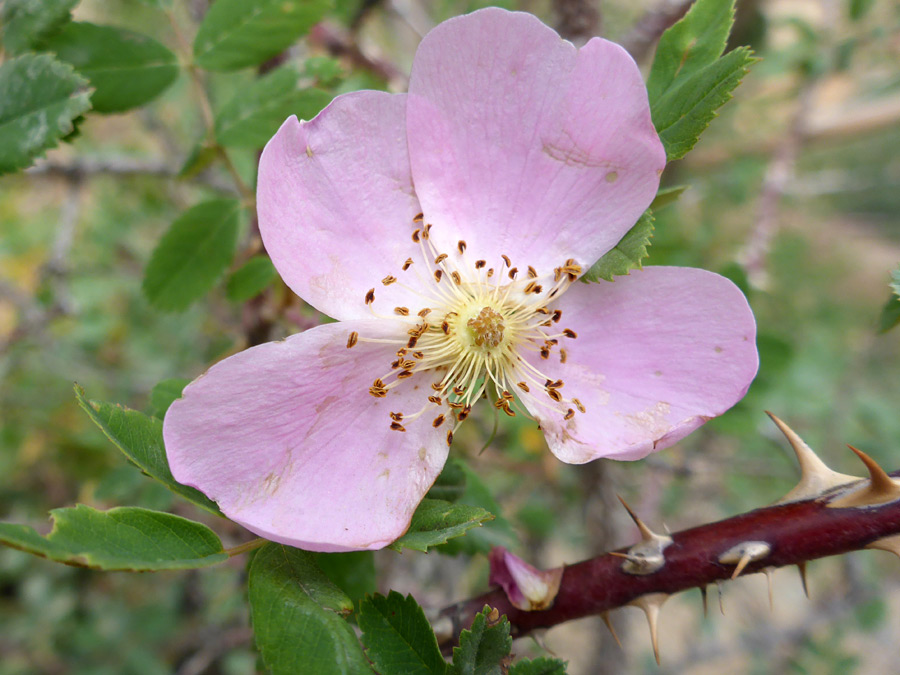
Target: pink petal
[[288, 441], [657, 354], [336, 203], [522, 145], [527, 587]]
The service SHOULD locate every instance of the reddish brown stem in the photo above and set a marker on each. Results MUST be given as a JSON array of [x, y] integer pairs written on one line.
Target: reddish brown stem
[[796, 532]]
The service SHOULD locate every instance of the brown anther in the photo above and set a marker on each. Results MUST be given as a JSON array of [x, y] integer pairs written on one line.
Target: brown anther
[[437, 386], [418, 355], [459, 391], [449, 437], [388, 280], [403, 374], [456, 405], [435, 399], [532, 272], [506, 260], [419, 218], [490, 272], [547, 323], [579, 405], [554, 394], [395, 364], [552, 293], [569, 414], [530, 287], [377, 393], [557, 274], [461, 246], [370, 296], [402, 311], [352, 339], [437, 275], [552, 341], [396, 416], [556, 384], [438, 421], [479, 264], [523, 386], [396, 426], [464, 413], [415, 235], [401, 352], [537, 289], [499, 402], [407, 264], [441, 258], [557, 315], [572, 269], [426, 230], [412, 341], [456, 278], [509, 411], [445, 327], [542, 310], [507, 395], [424, 312], [407, 364], [513, 272], [545, 352], [569, 333], [562, 355]]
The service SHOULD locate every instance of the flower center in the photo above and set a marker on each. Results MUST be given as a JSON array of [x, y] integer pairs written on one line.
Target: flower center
[[472, 334], [486, 328]]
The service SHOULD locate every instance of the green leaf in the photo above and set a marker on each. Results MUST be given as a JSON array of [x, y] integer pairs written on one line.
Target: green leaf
[[296, 618], [39, 100], [26, 22], [253, 116], [859, 8], [398, 637], [353, 573], [497, 532], [192, 255], [627, 254], [686, 109], [140, 438], [693, 43], [688, 80], [237, 33], [199, 159], [251, 279], [125, 68], [890, 313], [666, 196], [436, 521], [451, 483], [165, 393], [484, 647], [539, 666], [124, 538]]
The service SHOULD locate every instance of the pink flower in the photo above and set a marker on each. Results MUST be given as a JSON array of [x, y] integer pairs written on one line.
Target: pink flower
[[445, 229]]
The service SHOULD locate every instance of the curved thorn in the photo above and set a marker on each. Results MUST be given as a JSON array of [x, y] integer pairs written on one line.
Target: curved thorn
[[646, 532], [801, 567], [745, 560], [651, 604], [880, 490], [612, 630], [815, 476], [881, 481]]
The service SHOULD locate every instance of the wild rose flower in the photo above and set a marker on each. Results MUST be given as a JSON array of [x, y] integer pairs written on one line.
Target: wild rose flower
[[445, 230]]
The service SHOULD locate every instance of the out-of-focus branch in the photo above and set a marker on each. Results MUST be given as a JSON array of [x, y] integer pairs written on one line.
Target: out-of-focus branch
[[577, 20], [339, 43]]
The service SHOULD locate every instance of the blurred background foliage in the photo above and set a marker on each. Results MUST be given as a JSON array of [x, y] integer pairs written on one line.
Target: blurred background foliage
[[794, 194]]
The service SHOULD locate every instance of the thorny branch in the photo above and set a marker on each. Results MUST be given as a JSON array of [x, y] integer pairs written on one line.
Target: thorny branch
[[826, 514]]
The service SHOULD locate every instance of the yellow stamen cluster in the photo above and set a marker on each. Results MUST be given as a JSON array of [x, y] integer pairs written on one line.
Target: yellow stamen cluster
[[472, 332]]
